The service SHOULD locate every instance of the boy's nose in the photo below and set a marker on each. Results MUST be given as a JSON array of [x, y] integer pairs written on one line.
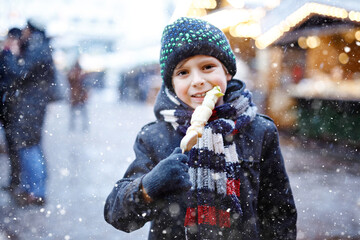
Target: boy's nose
[[197, 80]]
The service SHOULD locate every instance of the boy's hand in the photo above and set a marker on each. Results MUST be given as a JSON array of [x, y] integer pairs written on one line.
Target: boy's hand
[[168, 176]]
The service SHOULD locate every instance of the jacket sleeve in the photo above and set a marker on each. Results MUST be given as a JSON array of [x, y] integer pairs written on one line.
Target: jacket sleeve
[[8, 63], [11, 62], [125, 208], [277, 211]]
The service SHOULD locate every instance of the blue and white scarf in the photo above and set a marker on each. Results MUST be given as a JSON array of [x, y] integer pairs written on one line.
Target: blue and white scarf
[[214, 166]]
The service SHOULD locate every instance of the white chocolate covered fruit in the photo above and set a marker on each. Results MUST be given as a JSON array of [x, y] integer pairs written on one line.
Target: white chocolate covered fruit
[[199, 119]]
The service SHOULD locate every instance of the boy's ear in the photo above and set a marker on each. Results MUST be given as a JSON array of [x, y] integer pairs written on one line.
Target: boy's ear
[[228, 76]]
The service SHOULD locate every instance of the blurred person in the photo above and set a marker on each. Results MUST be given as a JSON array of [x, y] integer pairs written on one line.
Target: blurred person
[[35, 73], [11, 49], [78, 96], [232, 184]]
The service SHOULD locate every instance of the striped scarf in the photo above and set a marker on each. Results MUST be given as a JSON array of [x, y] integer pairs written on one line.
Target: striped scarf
[[214, 208]]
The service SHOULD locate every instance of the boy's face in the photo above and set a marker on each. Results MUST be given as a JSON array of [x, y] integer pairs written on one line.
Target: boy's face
[[195, 76]]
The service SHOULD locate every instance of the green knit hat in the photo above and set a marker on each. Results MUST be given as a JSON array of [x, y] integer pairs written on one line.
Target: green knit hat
[[187, 37]]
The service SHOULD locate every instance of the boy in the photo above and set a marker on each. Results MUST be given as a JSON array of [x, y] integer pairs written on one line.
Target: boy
[[232, 184]]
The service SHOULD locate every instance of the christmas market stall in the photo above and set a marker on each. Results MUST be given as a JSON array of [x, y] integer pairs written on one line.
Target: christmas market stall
[[313, 74], [301, 59]]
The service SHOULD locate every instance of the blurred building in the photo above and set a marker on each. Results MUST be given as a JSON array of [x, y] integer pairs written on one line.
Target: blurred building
[[110, 38]]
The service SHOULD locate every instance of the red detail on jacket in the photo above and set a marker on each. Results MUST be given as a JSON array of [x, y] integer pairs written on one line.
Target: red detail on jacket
[[233, 187], [207, 215], [190, 218]]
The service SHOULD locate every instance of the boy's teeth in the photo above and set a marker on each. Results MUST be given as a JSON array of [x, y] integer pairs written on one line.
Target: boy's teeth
[[200, 95]]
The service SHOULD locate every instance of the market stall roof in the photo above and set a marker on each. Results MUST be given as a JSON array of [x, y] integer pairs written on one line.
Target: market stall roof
[[289, 15], [283, 22]]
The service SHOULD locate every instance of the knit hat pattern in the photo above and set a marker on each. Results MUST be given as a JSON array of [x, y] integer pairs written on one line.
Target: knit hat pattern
[[187, 37]]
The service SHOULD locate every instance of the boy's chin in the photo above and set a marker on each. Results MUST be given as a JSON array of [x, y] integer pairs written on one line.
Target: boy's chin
[[196, 102], [194, 105]]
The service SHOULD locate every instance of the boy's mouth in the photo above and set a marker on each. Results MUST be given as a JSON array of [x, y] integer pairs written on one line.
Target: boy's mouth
[[199, 95]]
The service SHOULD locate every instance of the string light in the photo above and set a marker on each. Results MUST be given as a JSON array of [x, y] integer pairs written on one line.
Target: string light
[[245, 30], [313, 41], [302, 42], [354, 16], [357, 35], [343, 58], [207, 4]]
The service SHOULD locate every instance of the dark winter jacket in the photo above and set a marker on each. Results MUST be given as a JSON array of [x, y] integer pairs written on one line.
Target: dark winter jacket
[[34, 75], [6, 76], [6, 80], [266, 199]]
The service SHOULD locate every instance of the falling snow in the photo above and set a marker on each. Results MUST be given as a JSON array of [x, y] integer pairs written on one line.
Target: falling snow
[[83, 168]]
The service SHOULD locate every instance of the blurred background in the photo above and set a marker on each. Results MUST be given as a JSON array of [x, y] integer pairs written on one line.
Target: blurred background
[[301, 60]]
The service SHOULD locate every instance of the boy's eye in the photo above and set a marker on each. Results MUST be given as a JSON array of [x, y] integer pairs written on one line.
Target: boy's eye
[[181, 73], [207, 67]]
